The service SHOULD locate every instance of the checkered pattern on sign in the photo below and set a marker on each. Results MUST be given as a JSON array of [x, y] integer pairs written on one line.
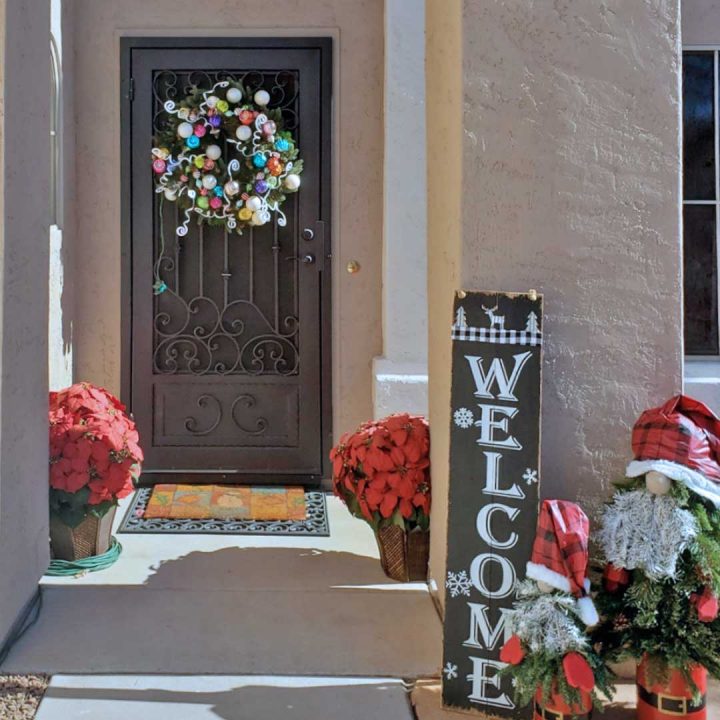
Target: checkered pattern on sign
[[493, 335]]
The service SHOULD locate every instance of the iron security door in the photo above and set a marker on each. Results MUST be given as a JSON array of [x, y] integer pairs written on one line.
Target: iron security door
[[227, 370]]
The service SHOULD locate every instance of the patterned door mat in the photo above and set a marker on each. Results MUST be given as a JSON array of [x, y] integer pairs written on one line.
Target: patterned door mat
[[231, 510]]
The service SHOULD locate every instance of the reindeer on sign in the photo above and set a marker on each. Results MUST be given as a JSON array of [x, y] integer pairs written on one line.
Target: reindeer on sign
[[495, 320]]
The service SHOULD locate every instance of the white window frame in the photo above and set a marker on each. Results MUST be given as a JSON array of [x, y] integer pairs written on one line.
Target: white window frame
[[705, 365]]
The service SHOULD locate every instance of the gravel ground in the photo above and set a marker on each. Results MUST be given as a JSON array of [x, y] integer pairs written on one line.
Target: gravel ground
[[20, 695]]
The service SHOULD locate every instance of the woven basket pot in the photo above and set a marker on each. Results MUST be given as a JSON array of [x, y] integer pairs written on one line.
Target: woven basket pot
[[672, 700], [90, 537], [555, 707], [403, 555]]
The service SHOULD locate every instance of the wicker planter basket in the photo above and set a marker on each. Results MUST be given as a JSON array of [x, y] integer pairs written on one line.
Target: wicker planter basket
[[403, 555], [90, 537]]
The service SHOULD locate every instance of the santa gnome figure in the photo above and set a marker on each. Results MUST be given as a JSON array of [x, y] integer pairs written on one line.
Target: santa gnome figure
[[549, 646], [645, 528], [559, 558]]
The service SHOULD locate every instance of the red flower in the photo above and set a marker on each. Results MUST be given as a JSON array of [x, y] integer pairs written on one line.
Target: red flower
[[385, 467], [93, 444]]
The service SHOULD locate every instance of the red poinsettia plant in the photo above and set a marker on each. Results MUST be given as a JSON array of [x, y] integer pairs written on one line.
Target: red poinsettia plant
[[382, 471], [94, 453]]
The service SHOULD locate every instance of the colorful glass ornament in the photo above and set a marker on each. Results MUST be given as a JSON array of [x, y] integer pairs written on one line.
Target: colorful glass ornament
[[212, 101], [274, 166], [282, 145], [218, 191], [259, 160], [193, 142], [202, 202], [232, 188], [209, 182], [222, 106], [269, 128], [199, 161], [208, 164], [292, 182], [159, 166], [246, 117], [261, 187], [245, 214], [200, 130], [215, 121], [213, 152], [215, 203]]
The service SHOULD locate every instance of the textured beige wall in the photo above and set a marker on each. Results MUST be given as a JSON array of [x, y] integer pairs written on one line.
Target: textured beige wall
[[701, 22], [24, 221], [98, 24], [570, 184]]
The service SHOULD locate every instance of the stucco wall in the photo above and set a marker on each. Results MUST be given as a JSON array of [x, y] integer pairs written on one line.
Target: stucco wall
[[701, 22], [357, 313], [569, 183], [24, 220]]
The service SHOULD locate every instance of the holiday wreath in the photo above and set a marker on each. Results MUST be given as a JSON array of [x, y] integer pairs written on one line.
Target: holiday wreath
[[225, 157]]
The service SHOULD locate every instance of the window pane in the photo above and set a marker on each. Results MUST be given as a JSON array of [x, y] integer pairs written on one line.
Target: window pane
[[700, 281], [698, 127]]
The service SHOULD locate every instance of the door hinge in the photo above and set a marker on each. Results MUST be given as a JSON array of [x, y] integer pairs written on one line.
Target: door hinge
[[131, 89]]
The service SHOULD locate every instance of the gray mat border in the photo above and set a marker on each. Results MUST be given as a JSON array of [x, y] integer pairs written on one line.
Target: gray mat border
[[316, 523]]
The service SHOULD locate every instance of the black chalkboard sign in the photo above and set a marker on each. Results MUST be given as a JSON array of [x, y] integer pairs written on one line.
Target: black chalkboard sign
[[494, 478]]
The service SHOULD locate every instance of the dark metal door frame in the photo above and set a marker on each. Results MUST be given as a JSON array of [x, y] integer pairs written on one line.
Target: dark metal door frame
[[324, 47]]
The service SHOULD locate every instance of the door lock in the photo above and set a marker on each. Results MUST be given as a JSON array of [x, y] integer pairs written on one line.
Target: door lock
[[308, 234], [308, 259]]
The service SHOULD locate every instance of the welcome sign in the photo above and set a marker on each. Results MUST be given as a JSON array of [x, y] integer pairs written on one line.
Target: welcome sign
[[494, 478]]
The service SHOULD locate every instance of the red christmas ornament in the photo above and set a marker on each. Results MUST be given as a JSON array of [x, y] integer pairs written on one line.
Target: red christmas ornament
[[159, 166], [578, 672], [706, 605], [512, 651], [200, 130], [246, 117], [615, 579], [208, 164]]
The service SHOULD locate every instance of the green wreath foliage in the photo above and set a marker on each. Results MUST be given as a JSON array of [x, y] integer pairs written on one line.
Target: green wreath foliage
[[252, 176]]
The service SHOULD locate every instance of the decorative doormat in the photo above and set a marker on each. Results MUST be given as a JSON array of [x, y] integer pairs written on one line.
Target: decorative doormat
[[313, 522], [225, 502]]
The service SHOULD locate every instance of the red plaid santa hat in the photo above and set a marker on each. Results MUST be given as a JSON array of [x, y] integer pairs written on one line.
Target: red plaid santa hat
[[560, 554], [680, 439]]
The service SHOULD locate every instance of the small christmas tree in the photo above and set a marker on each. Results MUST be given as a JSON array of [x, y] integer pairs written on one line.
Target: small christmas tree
[[549, 654], [460, 317], [532, 323], [661, 540]]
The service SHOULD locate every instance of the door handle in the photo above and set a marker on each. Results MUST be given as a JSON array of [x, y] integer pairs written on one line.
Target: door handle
[[307, 259]]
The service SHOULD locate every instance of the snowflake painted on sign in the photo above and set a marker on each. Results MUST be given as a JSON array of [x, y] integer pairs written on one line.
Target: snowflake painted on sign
[[450, 670], [530, 476], [458, 583], [463, 417]]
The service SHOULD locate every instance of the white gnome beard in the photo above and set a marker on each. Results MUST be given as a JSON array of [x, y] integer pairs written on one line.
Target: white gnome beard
[[642, 531], [545, 622]]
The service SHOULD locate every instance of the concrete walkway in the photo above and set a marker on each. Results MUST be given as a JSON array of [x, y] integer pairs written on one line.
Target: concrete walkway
[[256, 605], [223, 697]]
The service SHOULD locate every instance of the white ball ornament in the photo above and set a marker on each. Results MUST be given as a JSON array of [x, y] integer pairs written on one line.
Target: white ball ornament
[[258, 218], [243, 133], [213, 152], [232, 188], [262, 98], [212, 101], [657, 483], [170, 194], [185, 130], [209, 182], [253, 203], [544, 587], [234, 95], [292, 181]]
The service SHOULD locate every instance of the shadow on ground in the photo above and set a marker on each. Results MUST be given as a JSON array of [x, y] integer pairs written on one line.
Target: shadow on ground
[[246, 702], [236, 611]]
